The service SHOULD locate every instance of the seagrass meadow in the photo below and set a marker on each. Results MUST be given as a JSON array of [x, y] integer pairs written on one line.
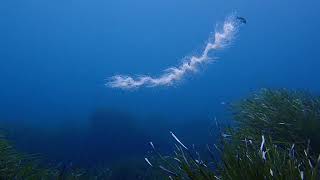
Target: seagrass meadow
[[274, 135]]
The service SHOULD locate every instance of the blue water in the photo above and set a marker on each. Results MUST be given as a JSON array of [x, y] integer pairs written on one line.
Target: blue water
[[56, 57]]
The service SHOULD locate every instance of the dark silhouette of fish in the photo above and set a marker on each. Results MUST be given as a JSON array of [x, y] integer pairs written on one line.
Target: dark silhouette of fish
[[242, 19]]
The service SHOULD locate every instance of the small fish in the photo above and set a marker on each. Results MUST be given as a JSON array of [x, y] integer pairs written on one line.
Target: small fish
[[175, 137], [147, 160]]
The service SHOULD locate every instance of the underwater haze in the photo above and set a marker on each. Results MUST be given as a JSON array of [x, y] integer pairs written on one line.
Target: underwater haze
[[57, 57]]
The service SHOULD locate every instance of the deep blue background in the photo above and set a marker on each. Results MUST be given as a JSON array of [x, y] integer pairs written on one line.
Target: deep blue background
[[55, 57]]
